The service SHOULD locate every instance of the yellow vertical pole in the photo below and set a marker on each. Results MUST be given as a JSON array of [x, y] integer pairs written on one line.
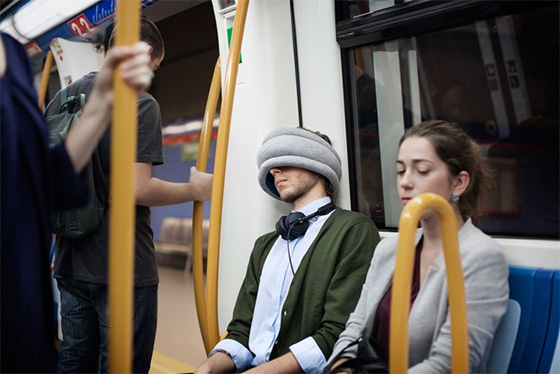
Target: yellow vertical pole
[[45, 79], [219, 170], [402, 282], [122, 216], [201, 165]]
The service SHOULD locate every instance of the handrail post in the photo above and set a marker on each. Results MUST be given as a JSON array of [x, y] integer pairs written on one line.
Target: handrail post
[[201, 165], [219, 171], [402, 281], [45, 79], [121, 214]]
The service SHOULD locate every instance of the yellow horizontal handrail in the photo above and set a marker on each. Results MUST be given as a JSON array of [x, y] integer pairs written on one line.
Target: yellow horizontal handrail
[[219, 171], [201, 165], [402, 281]]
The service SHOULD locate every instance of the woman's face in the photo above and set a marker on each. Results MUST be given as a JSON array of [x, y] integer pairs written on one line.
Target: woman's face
[[420, 170]]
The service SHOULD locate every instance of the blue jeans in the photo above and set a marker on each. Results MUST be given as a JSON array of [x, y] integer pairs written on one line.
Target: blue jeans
[[84, 327]]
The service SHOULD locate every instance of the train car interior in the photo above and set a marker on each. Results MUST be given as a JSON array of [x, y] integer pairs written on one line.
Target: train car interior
[[363, 71]]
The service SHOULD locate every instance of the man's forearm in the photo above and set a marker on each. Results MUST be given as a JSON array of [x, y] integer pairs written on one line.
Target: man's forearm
[[157, 192], [220, 362], [283, 364]]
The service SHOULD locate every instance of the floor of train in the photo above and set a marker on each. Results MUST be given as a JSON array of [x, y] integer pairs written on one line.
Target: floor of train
[[178, 347]]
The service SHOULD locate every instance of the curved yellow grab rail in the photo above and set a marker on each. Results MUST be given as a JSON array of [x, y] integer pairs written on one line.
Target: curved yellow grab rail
[[122, 224], [45, 79], [219, 171], [402, 280], [201, 165]]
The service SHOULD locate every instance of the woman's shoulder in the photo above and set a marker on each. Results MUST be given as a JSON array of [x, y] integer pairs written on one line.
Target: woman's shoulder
[[475, 243], [469, 233], [386, 249], [389, 243]]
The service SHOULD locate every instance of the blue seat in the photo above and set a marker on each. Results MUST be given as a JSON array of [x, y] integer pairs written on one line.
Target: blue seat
[[521, 281], [504, 339], [551, 343], [538, 326]]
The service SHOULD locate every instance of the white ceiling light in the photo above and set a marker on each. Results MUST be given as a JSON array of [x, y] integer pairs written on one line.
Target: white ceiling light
[[8, 27], [39, 16]]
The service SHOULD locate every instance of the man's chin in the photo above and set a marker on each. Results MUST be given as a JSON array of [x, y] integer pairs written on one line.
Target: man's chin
[[287, 198]]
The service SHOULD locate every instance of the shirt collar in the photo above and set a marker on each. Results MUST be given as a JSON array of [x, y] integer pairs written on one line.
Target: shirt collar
[[314, 206]]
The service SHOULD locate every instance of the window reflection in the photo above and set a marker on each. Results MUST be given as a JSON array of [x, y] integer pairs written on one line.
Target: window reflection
[[368, 153], [498, 78]]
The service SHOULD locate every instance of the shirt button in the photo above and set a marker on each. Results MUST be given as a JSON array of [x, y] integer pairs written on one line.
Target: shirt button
[[276, 342], [285, 312]]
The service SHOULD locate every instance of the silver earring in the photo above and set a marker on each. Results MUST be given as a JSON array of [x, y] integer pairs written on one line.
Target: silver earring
[[454, 197]]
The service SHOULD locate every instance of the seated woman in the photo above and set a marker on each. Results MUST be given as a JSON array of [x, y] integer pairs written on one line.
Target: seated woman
[[436, 157]]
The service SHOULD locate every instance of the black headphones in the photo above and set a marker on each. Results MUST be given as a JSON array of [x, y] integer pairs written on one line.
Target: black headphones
[[296, 224]]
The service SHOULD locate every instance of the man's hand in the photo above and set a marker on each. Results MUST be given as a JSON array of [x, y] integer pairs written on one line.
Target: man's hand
[[202, 182], [133, 64]]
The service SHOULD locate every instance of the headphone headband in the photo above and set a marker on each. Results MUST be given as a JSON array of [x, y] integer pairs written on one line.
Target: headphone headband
[[325, 209], [296, 224]]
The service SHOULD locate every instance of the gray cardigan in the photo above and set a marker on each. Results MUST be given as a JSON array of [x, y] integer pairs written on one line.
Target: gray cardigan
[[487, 292]]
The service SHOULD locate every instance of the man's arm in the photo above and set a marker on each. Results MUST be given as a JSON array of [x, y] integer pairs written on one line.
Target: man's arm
[[219, 362], [152, 191], [82, 139], [283, 364]]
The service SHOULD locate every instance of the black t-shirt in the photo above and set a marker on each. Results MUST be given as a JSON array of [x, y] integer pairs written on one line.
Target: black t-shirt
[[86, 258]]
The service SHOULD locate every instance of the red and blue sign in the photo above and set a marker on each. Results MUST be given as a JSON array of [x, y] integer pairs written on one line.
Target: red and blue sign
[[90, 21]]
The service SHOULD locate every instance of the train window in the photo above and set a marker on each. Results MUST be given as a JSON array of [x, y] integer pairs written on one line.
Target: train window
[[496, 76]]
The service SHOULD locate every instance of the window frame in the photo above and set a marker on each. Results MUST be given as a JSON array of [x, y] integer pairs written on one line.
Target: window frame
[[404, 20]]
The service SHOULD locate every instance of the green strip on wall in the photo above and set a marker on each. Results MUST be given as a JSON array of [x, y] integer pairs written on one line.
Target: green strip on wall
[[229, 32]]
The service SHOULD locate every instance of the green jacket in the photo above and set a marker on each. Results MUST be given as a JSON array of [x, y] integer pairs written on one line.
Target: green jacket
[[325, 289]]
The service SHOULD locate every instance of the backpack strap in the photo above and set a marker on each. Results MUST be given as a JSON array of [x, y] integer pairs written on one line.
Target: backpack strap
[[103, 194], [69, 103], [82, 101]]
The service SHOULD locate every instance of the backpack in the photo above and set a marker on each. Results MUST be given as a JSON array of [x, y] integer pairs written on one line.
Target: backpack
[[73, 223]]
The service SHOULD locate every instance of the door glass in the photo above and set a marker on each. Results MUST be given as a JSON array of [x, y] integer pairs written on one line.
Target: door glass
[[498, 79]]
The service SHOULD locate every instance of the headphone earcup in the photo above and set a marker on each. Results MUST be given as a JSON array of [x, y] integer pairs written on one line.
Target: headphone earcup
[[289, 224], [282, 227]]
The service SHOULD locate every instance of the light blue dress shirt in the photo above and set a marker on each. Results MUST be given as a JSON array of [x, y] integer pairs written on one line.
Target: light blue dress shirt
[[274, 286]]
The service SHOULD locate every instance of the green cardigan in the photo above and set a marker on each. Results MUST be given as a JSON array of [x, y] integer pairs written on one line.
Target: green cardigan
[[325, 289]]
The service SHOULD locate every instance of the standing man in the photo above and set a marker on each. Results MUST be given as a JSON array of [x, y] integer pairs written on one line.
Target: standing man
[[81, 265], [304, 279]]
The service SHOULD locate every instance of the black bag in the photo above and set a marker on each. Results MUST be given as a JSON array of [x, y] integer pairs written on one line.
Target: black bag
[[73, 223], [368, 360]]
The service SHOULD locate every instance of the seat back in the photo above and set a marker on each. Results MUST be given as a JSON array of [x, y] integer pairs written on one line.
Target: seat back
[[521, 289], [550, 358], [504, 339]]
